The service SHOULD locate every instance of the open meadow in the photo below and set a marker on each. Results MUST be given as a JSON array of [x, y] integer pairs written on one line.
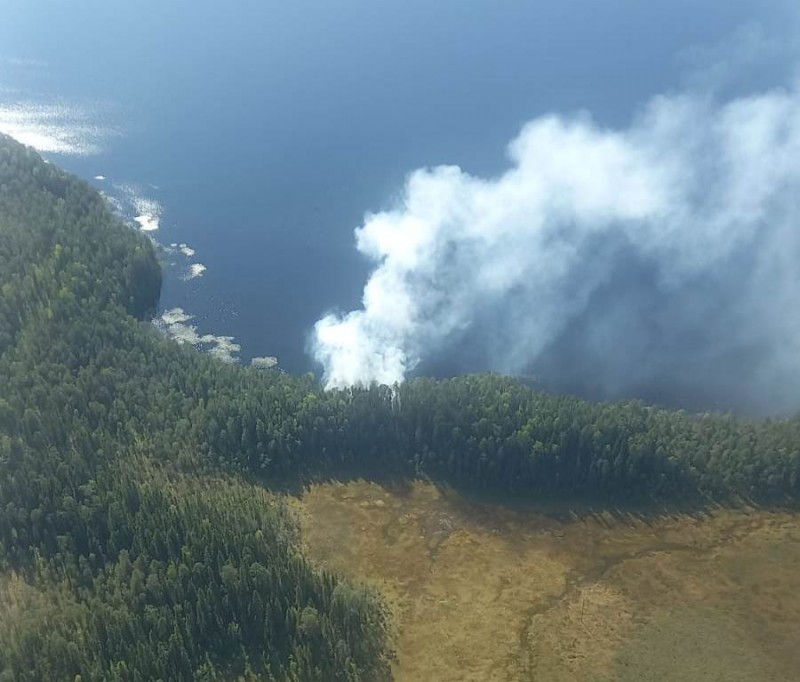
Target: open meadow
[[483, 592]]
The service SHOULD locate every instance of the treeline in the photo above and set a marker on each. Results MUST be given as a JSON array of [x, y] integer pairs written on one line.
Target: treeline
[[135, 540], [488, 432]]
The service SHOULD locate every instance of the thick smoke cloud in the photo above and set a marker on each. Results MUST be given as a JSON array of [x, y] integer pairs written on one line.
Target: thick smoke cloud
[[659, 261]]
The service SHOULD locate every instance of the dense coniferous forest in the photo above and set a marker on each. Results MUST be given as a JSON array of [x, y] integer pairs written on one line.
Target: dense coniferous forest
[[137, 538]]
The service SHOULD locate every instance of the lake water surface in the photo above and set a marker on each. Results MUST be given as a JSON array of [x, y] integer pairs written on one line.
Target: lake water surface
[[256, 137]]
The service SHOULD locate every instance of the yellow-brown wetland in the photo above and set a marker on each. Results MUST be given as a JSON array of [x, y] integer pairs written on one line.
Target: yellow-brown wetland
[[482, 592]]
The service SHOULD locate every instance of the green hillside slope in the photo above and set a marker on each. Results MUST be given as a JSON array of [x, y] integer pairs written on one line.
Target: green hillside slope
[[119, 561]]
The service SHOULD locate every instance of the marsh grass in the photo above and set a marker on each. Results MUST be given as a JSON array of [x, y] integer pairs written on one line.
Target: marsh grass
[[480, 591]]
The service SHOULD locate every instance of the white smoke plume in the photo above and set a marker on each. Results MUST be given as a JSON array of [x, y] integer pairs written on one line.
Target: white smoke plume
[[664, 256]]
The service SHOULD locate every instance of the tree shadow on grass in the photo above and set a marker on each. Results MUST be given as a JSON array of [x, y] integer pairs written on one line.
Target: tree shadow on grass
[[605, 509]]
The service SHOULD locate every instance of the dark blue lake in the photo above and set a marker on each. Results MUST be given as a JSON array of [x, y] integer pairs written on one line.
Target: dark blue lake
[[263, 131]]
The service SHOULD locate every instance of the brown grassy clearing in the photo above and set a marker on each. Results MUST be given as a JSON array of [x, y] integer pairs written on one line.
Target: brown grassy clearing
[[483, 592]]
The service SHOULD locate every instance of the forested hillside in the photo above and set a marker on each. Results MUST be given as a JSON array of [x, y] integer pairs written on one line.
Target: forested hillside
[[118, 561], [136, 539]]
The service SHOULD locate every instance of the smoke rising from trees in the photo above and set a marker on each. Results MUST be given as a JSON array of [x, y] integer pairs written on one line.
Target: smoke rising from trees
[[658, 261]]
